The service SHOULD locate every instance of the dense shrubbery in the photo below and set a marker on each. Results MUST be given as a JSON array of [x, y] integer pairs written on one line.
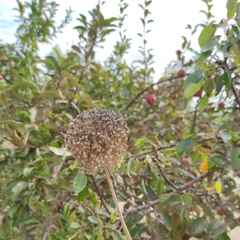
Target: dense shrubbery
[[178, 176]]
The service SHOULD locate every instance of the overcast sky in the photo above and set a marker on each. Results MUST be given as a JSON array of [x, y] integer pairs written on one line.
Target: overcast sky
[[170, 19]]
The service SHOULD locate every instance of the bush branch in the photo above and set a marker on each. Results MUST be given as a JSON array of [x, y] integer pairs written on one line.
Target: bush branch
[[145, 89], [178, 190], [235, 94]]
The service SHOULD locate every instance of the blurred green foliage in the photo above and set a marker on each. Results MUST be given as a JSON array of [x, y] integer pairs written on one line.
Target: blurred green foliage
[[179, 176]]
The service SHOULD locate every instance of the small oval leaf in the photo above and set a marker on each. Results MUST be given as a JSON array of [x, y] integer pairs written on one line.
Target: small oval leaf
[[79, 182]]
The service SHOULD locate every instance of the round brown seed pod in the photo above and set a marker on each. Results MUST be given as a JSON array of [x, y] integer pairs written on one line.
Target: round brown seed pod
[[97, 139]]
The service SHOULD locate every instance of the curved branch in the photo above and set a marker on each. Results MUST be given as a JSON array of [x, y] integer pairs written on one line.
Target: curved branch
[[145, 89]]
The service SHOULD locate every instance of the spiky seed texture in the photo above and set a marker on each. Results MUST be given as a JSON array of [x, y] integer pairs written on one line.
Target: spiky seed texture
[[97, 139]]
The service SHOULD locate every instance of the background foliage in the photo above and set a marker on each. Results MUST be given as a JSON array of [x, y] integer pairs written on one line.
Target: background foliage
[[178, 179]]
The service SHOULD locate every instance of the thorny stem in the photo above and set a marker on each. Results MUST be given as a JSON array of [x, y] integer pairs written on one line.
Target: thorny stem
[[117, 205]]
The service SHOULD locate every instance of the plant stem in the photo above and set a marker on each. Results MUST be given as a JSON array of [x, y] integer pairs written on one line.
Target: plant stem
[[117, 206]]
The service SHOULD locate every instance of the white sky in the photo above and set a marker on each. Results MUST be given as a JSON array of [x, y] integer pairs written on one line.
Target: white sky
[[170, 19]]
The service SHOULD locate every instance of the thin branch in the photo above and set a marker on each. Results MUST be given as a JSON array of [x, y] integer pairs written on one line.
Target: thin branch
[[99, 194], [151, 151], [145, 89], [155, 202], [161, 172], [192, 182], [194, 118], [235, 94], [46, 231], [225, 210], [117, 205]]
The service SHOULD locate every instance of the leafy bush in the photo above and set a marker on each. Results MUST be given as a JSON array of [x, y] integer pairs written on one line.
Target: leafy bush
[[178, 178]]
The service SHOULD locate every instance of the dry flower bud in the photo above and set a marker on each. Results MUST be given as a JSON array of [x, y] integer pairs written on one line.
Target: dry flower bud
[[97, 139]]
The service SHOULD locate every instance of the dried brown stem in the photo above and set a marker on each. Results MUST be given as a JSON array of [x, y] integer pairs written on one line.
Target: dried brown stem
[[117, 205]]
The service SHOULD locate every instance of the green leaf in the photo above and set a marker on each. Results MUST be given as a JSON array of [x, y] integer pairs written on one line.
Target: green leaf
[[150, 193], [160, 186], [93, 219], [76, 48], [75, 225], [54, 62], [224, 236], [60, 151], [231, 8], [113, 217], [66, 211], [185, 145], [165, 198], [209, 46], [225, 135], [23, 84], [203, 56], [18, 188], [238, 15], [235, 158], [83, 194], [27, 171], [228, 79], [203, 102], [191, 89], [10, 122], [207, 35], [139, 142], [13, 209], [187, 198], [193, 83], [138, 166], [194, 77], [79, 182], [59, 56], [198, 225]]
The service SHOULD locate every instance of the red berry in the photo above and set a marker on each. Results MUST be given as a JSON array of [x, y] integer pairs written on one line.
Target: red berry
[[173, 95], [178, 52], [203, 126], [181, 73], [221, 105], [190, 208], [4, 58], [180, 117], [151, 99], [198, 93], [1, 77], [220, 211], [237, 117], [187, 236], [187, 161], [193, 172]]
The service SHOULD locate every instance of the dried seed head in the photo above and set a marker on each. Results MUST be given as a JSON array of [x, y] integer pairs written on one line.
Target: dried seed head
[[97, 139]]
